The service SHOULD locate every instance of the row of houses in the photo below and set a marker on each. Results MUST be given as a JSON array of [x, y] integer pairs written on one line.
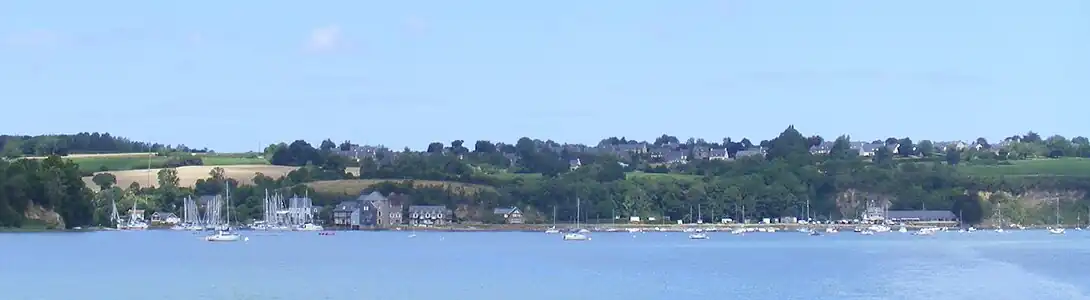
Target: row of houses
[[371, 210], [674, 153]]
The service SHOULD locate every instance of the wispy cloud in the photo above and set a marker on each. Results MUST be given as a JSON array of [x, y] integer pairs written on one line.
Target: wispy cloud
[[326, 38]]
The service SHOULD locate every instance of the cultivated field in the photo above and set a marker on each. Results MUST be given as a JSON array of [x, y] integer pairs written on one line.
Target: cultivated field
[[354, 186], [187, 176], [133, 161], [1034, 167]]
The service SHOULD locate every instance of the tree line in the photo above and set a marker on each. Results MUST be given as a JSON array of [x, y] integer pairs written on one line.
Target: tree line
[[80, 143]]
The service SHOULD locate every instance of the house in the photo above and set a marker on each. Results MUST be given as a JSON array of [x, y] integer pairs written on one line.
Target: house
[[657, 153], [675, 157], [510, 214], [719, 154], [701, 152], [908, 216], [387, 210], [750, 152], [638, 148], [895, 148], [574, 164], [868, 150], [165, 217], [369, 210], [822, 148], [347, 214], [425, 215]]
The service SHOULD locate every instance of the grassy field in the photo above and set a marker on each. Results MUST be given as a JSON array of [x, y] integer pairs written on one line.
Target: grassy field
[[354, 186], [188, 175], [1035, 167], [132, 161]]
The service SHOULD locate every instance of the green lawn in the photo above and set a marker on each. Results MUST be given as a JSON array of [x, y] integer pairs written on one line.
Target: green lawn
[[1034, 167]]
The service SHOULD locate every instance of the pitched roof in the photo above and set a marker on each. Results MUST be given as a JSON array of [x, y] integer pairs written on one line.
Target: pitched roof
[[373, 196], [504, 210], [348, 205]]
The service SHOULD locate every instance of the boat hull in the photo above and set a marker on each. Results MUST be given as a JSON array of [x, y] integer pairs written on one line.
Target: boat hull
[[576, 237]]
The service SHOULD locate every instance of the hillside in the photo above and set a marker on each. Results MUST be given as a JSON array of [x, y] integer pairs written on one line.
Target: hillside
[[354, 186], [134, 161], [188, 175], [1034, 167]]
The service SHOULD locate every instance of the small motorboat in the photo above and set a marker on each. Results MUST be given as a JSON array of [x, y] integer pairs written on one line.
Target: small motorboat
[[223, 236], [575, 236], [698, 236]]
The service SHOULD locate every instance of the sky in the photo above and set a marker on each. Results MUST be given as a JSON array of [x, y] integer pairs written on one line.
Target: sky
[[236, 75]]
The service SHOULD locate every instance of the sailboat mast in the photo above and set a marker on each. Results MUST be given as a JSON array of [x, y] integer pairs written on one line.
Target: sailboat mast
[[577, 211], [228, 200]]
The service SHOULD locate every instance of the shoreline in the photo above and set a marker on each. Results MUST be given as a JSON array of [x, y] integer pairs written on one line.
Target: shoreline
[[543, 227]]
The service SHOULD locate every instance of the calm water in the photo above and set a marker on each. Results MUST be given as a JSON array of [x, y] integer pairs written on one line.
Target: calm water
[[389, 265]]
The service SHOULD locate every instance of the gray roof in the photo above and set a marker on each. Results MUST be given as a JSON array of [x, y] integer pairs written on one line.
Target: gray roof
[[349, 205], [373, 196], [749, 152], [674, 156], [427, 208], [504, 210], [921, 214], [719, 152]]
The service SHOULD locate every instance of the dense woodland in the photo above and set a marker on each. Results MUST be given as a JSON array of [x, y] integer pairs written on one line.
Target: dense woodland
[[64, 144], [52, 183], [539, 179]]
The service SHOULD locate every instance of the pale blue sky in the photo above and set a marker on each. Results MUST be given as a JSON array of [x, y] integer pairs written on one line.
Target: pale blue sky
[[232, 75]]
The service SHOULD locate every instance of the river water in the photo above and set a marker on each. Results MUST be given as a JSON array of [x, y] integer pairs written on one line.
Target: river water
[[434, 265]]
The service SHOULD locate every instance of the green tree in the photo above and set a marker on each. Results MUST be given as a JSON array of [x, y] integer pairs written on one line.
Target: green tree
[[926, 148], [104, 180]]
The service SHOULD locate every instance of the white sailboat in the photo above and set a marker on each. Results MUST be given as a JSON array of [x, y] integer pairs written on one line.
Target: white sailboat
[[225, 234], [698, 234], [553, 230], [578, 235], [114, 216], [135, 222], [1057, 229]]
